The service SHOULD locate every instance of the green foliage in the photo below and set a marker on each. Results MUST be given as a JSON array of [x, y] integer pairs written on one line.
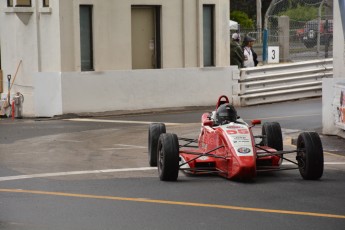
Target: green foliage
[[301, 13], [242, 19]]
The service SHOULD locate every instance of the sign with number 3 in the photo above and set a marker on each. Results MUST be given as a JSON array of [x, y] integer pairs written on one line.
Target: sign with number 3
[[273, 54]]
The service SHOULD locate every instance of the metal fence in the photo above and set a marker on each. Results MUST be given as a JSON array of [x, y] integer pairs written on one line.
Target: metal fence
[[274, 83], [310, 33]]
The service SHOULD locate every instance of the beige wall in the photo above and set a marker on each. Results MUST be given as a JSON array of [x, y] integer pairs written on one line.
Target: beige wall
[[180, 36]]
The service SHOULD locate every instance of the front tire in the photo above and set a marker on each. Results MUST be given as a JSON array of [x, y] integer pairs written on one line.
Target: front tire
[[272, 135], [310, 156], [168, 157], [155, 130]]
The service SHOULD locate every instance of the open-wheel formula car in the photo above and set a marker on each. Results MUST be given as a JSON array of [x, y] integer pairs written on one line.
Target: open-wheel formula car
[[226, 146]]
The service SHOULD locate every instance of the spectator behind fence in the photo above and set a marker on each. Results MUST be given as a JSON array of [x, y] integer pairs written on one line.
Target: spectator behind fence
[[236, 52], [250, 57]]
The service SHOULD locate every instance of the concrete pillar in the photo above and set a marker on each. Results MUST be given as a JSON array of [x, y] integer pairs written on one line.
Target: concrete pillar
[[284, 38]]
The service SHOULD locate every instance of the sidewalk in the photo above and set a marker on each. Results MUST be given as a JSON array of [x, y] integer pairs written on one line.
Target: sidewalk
[[330, 143], [333, 144]]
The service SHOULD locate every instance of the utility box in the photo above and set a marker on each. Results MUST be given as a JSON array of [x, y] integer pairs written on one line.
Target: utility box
[[18, 100]]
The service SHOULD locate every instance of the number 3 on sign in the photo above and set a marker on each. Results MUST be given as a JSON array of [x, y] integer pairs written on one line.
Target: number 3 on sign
[[273, 54]]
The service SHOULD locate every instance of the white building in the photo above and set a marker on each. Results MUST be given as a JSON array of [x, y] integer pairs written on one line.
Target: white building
[[78, 56]]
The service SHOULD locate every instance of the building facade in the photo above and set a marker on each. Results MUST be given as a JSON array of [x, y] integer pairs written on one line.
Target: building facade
[[94, 55]]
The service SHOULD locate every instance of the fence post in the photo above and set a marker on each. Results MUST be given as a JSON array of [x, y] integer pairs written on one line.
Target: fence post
[[264, 46], [284, 37]]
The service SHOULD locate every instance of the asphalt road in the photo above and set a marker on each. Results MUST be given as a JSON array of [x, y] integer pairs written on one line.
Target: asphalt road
[[92, 173]]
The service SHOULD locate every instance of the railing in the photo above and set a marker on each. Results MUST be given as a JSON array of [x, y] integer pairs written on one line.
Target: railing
[[283, 82]]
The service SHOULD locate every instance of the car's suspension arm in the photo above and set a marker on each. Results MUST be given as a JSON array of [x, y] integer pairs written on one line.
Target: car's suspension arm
[[207, 154]]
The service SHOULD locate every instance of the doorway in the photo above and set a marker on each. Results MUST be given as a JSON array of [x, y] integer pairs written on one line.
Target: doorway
[[146, 44]]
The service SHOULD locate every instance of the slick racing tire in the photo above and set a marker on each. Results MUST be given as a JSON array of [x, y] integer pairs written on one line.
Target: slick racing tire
[[310, 156], [272, 135], [168, 157], [155, 130]]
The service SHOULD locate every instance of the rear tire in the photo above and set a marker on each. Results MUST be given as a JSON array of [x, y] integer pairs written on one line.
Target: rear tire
[[272, 135], [168, 157], [155, 130], [310, 156]]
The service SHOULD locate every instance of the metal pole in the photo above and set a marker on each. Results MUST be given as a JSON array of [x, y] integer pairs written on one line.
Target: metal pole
[[318, 28], [265, 33], [265, 46], [258, 19], [9, 89]]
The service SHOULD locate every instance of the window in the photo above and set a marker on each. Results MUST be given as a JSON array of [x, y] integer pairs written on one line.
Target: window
[[20, 3], [208, 35], [23, 3], [86, 46], [45, 3]]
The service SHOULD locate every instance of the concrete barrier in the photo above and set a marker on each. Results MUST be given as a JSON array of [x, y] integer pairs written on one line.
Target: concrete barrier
[[62, 93]]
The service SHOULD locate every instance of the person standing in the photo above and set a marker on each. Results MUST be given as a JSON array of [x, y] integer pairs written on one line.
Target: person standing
[[250, 57], [236, 52]]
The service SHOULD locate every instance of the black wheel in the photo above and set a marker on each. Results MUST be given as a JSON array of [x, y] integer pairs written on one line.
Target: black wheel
[[310, 155], [168, 157], [155, 130], [272, 135]]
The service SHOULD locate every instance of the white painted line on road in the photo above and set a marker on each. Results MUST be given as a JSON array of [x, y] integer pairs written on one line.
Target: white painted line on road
[[116, 121], [325, 163], [73, 141], [57, 174], [133, 146], [42, 175], [124, 147]]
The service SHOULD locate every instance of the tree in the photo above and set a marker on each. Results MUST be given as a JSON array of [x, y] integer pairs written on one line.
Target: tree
[[242, 18], [301, 13]]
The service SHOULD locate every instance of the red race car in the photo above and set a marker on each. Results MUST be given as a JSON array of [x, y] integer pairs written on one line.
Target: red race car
[[226, 146]]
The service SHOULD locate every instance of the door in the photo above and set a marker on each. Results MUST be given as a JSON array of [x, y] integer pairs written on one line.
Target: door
[[145, 37]]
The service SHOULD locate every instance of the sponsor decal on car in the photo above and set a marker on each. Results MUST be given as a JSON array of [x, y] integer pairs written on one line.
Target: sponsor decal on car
[[231, 131], [234, 127], [237, 131], [244, 150], [203, 158]]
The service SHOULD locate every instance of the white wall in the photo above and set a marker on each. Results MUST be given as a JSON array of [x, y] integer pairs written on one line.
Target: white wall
[[330, 87], [48, 98], [338, 42], [129, 90]]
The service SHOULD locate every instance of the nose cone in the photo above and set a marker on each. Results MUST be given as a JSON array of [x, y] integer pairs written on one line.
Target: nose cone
[[243, 168]]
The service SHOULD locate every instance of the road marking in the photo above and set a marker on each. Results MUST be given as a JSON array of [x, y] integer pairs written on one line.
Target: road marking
[[42, 175], [168, 202], [117, 121], [325, 163], [124, 147], [71, 173], [283, 117]]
